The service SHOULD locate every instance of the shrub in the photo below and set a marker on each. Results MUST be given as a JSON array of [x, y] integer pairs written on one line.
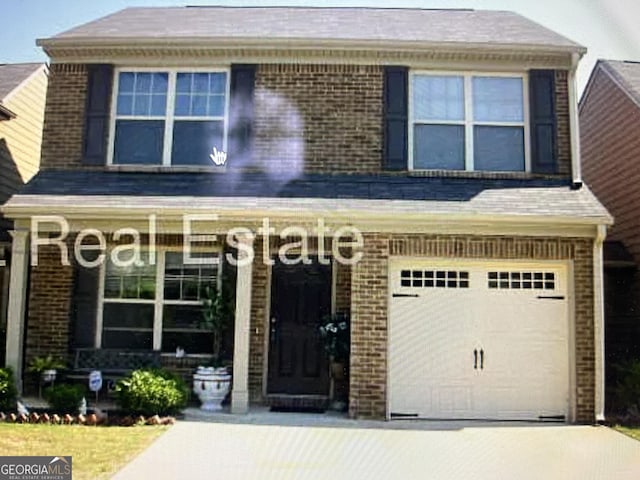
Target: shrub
[[8, 391], [628, 388], [151, 392], [65, 398]]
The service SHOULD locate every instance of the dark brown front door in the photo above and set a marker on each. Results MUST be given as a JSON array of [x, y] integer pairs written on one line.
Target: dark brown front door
[[300, 297]]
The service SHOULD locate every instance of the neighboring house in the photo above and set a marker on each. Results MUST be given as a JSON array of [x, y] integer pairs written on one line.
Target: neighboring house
[[23, 89], [610, 138], [446, 139]]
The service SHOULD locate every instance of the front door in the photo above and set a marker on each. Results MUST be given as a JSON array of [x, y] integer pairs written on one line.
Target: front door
[[300, 297]]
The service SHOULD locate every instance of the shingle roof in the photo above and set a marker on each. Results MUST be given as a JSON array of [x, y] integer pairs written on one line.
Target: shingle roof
[[418, 26], [627, 74], [13, 74], [507, 197]]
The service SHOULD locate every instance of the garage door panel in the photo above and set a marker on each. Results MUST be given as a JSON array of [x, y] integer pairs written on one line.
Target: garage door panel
[[435, 330]]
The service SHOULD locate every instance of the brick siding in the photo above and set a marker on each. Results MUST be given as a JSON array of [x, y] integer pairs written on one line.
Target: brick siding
[[563, 138], [308, 119]]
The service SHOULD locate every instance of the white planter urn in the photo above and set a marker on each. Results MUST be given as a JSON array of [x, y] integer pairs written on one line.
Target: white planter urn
[[49, 376], [211, 385]]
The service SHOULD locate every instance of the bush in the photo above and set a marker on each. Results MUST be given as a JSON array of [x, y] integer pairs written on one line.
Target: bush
[[627, 390], [65, 398], [8, 391], [151, 392]]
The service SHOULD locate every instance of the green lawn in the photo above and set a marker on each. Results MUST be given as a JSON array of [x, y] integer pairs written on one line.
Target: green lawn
[[633, 432], [98, 452]]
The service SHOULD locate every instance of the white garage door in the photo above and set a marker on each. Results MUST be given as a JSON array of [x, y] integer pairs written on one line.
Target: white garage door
[[478, 340]]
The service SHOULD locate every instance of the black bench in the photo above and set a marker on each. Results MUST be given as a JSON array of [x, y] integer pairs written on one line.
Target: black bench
[[112, 363]]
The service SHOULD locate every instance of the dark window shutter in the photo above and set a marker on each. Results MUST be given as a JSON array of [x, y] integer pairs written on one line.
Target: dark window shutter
[[241, 113], [395, 119], [96, 122], [85, 303], [543, 121]]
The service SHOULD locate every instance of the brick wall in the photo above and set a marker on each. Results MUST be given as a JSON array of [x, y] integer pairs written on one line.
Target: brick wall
[[369, 306], [64, 116], [563, 138], [50, 292], [259, 305], [368, 366], [308, 118], [318, 118]]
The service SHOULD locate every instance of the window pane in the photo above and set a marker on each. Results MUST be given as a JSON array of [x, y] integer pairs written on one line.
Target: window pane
[[498, 148], [199, 105], [139, 142], [126, 339], [183, 82], [217, 82], [182, 316], [183, 105], [126, 82], [142, 105], [216, 106], [200, 94], [191, 342], [497, 99], [193, 141], [160, 83], [438, 98], [127, 315], [135, 282], [143, 82], [187, 282], [438, 147], [158, 105], [125, 104]]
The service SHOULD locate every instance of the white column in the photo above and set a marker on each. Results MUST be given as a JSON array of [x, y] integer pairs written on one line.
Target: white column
[[598, 305], [17, 301], [240, 392]]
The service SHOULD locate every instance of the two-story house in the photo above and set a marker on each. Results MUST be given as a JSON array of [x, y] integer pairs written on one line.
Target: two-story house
[[23, 88], [610, 120], [418, 169]]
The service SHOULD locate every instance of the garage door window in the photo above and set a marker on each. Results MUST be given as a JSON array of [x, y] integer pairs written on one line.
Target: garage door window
[[522, 280], [434, 279]]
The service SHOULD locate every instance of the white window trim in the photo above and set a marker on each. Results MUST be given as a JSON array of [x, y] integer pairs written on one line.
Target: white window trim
[[169, 117], [468, 121], [158, 302]]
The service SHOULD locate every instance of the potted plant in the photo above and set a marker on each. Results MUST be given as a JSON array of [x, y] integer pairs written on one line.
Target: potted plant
[[46, 368], [212, 383], [335, 333]]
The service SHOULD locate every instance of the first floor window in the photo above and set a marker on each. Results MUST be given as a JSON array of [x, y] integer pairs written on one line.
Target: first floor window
[[169, 117], [158, 306], [468, 122]]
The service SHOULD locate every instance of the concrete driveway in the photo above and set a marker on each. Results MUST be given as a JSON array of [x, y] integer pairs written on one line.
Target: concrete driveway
[[309, 448]]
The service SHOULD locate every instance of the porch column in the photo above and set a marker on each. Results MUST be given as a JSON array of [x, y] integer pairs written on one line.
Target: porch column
[[17, 301], [240, 393]]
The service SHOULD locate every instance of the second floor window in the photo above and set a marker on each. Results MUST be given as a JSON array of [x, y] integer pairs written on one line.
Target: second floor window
[[468, 122], [169, 117]]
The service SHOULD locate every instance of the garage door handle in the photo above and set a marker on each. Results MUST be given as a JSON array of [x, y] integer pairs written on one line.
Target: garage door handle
[[475, 359], [481, 359], [550, 297]]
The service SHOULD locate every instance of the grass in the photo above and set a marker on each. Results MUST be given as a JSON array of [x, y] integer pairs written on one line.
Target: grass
[[633, 432], [98, 452]]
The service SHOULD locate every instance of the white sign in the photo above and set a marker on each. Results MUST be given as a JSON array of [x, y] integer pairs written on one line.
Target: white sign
[[95, 381]]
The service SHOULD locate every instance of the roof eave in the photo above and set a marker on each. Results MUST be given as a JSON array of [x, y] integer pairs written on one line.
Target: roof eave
[[50, 45]]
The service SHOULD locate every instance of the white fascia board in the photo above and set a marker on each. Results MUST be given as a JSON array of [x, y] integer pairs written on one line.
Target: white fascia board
[[50, 44]]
